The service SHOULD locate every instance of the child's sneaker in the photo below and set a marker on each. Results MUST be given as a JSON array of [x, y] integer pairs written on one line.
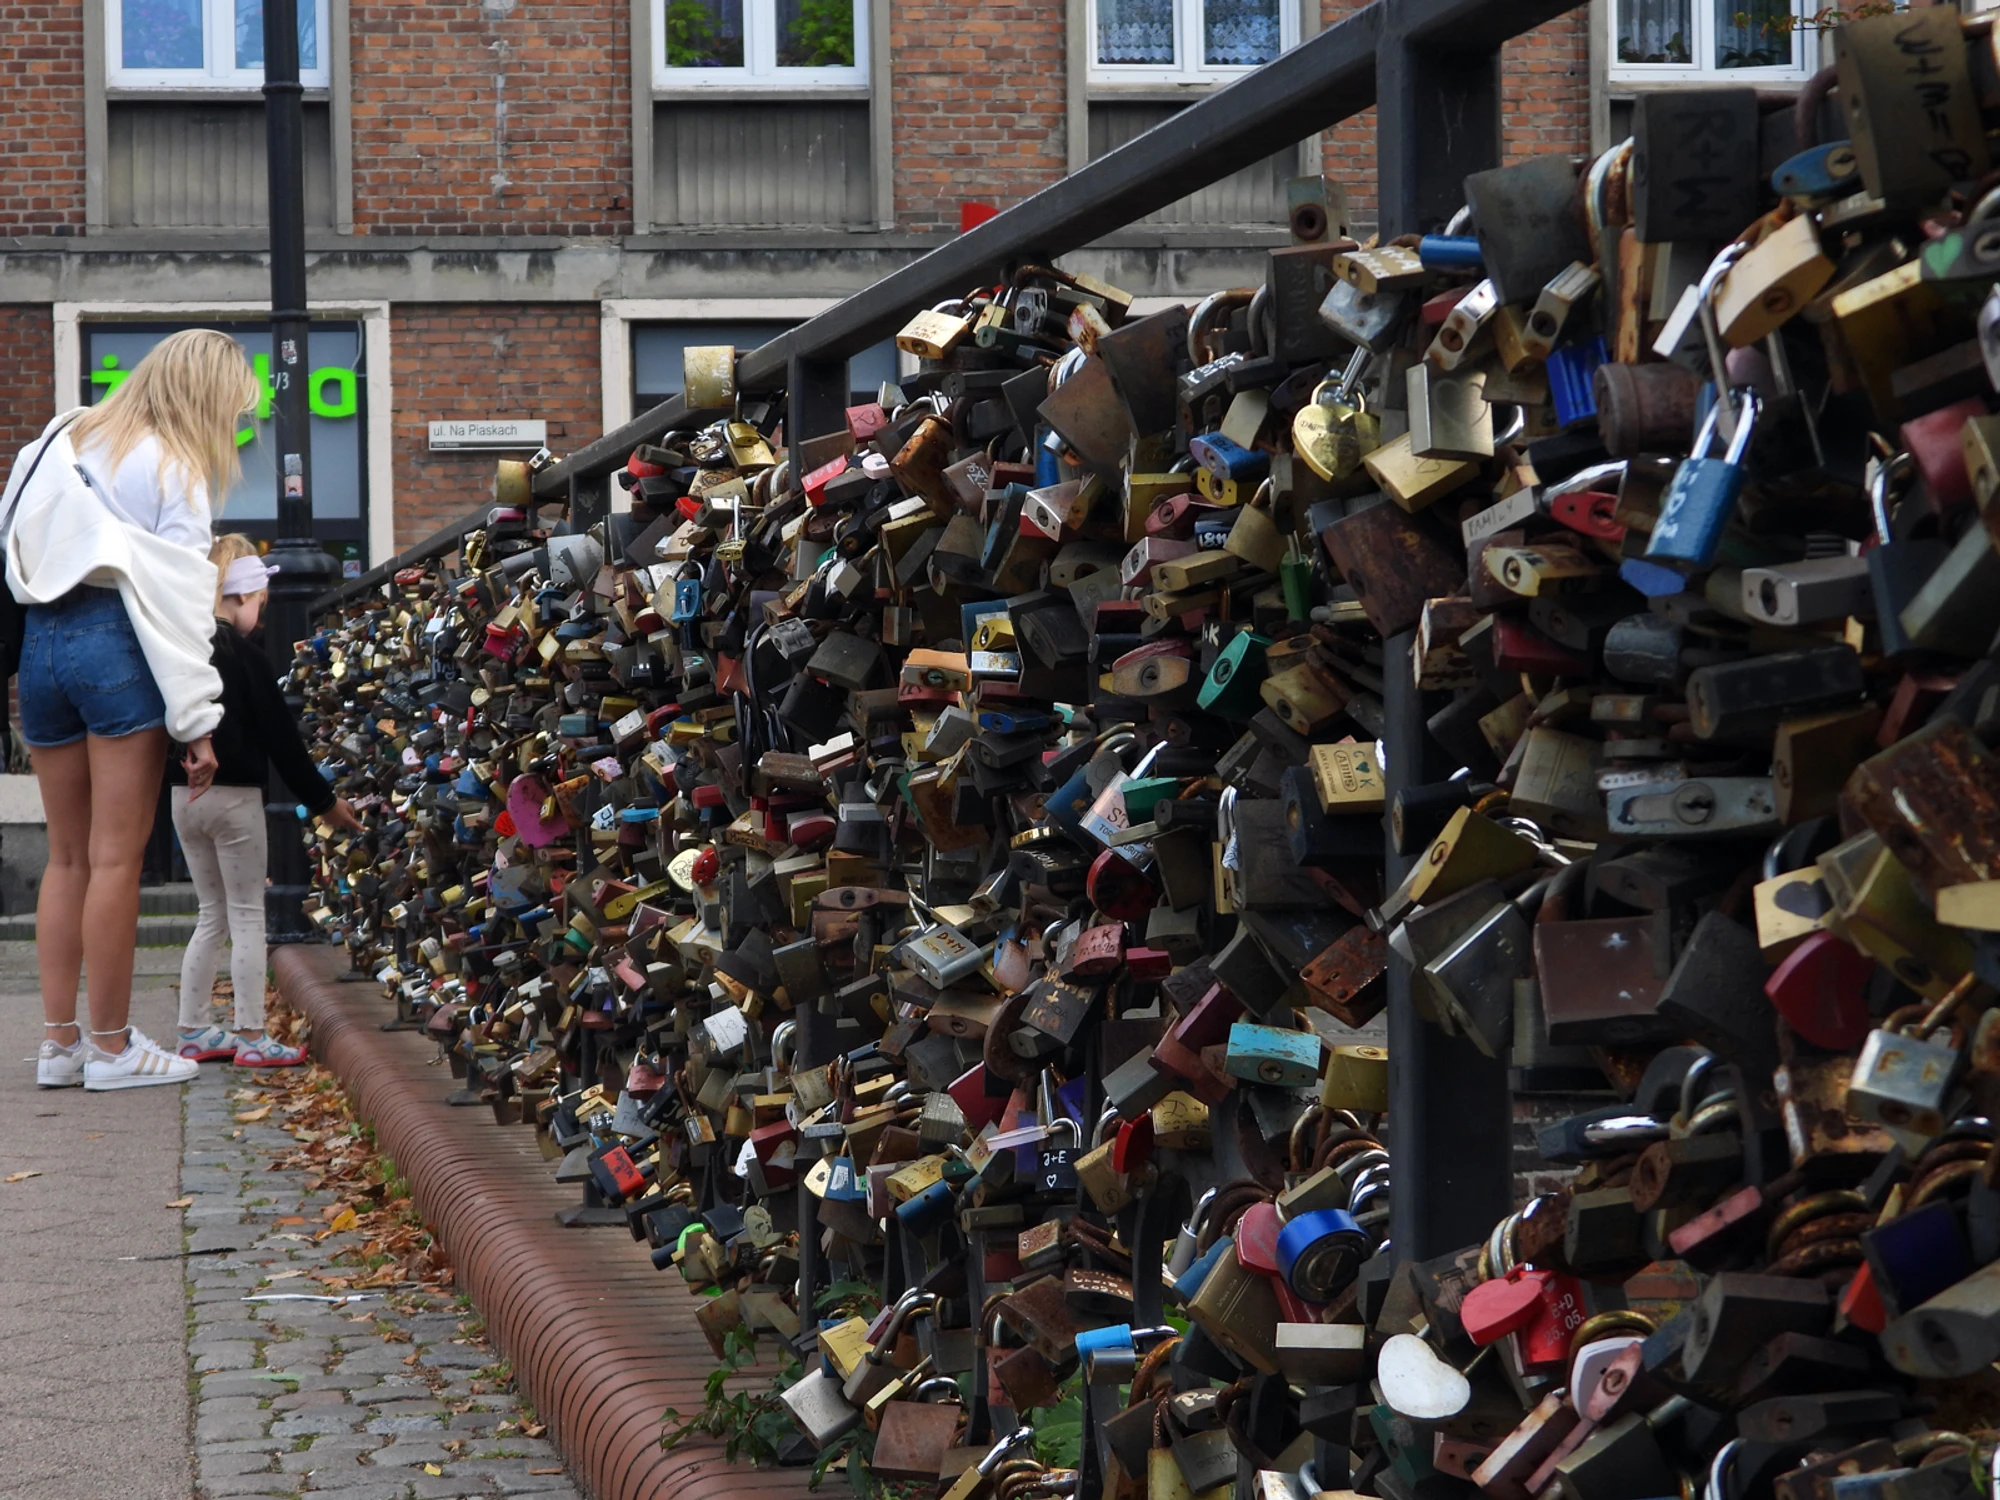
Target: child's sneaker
[[268, 1052], [208, 1044], [142, 1064], [59, 1067]]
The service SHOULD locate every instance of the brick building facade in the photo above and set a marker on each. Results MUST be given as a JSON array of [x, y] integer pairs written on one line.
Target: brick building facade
[[507, 199]]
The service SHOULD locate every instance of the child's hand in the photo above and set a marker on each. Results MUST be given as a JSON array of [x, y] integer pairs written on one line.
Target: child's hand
[[199, 763], [342, 815]]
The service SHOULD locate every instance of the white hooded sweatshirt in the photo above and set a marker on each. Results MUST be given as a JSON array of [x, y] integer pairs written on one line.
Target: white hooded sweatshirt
[[62, 535]]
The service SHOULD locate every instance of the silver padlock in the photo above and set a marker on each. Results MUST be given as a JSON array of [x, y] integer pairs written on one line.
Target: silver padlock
[[816, 1404], [1190, 1232], [1474, 978], [1903, 1080]]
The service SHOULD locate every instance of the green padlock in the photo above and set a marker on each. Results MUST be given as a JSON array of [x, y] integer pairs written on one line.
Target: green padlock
[[1231, 687], [1295, 576]]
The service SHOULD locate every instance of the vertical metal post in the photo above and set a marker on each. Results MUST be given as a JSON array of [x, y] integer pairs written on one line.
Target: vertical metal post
[[1450, 1115], [589, 502], [304, 570], [816, 398], [816, 401]]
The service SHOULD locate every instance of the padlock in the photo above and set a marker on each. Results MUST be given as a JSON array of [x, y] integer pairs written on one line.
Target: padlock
[[1904, 1082], [1334, 430], [873, 1373], [1699, 503]]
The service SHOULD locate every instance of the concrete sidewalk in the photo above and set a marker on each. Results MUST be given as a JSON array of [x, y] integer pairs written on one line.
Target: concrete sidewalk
[[94, 1377]]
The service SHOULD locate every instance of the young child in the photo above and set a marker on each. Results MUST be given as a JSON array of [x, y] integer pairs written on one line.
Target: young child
[[222, 833]]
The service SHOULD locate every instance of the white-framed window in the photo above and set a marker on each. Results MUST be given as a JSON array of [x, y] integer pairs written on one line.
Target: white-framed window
[[777, 44], [1718, 41], [203, 43], [1187, 41]]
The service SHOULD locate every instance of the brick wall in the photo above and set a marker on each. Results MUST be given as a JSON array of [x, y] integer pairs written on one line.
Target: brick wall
[[978, 98], [1545, 89], [41, 117], [1544, 104], [495, 117], [27, 387], [500, 360]]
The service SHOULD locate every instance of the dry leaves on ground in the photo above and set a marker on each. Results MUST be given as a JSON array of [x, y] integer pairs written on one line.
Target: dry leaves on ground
[[336, 1154]]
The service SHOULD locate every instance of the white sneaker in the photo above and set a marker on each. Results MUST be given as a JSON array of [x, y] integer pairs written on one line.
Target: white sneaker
[[59, 1067], [142, 1064]]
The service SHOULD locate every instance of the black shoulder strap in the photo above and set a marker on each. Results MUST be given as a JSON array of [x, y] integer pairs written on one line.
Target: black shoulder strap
[[47, 443]]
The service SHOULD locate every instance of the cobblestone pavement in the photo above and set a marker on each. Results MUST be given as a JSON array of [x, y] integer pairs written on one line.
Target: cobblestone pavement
[[389, 1396]]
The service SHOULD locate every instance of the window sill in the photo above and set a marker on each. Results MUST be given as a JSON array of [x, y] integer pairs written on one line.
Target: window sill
[[214, 93], [1627, 87], [757, 92], [1101, 91]]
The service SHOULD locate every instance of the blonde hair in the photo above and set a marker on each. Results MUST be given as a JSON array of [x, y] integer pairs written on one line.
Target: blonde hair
[[227, 549], [189, 391]]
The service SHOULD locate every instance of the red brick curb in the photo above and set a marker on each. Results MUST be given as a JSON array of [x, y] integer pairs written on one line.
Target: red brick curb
[[598, 1353]]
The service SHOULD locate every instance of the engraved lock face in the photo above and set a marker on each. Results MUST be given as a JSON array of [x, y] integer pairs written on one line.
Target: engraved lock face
[[1903, 1082]]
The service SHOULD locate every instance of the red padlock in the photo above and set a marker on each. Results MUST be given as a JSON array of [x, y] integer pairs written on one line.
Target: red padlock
[[1098, 951], [1119, 888], [1256, 1237], [1205, 1024], [1132, 1147], [1821, 989], [1591, 512], [817, 481], [1520, 647], [1861, 1302], [865, 420], [1545, 1342], [1504, 1305]]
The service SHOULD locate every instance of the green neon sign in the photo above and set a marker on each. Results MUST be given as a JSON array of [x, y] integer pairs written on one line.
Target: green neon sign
[[331, 391]]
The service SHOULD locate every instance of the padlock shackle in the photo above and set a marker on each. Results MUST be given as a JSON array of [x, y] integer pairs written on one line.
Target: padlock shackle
[[912, 1304], [1698, 1068], [1882, 473], [1589, 477], [998, 1453]]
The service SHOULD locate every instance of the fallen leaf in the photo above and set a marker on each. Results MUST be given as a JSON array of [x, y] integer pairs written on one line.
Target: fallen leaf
[[545, 1471], [19, 1176], [432, 1469], [346, 1219], [94, 1135], [252, 1116], [182, 1203], [283, 1275]]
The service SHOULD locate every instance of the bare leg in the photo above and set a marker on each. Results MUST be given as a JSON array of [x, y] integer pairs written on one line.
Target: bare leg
[[64, 774], [125, 792]]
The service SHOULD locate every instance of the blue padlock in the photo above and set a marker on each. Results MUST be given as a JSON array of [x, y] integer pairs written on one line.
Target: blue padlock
[[1113, 1345], [687, 600], [1571, 371], [1189, 1281], [1451, 252], [1320, 1253], [1819, 173], [1698, 506], [1228, 460], [929, 1210]]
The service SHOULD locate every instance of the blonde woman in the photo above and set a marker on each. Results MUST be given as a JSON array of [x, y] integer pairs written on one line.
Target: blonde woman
[[107, 518], [223, 834]]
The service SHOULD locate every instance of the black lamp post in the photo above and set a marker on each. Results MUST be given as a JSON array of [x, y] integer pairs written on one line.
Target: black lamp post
[[304, 569]]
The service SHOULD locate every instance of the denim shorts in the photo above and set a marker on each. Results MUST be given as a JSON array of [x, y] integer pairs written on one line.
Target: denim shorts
[[83, 672]]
